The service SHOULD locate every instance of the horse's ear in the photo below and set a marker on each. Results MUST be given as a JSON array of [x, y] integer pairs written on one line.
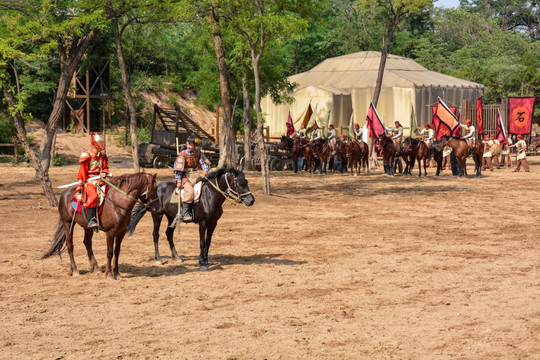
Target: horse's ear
[[143, 170], [154, 176]]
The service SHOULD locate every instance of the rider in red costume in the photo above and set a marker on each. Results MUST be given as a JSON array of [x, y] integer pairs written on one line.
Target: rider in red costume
[[93, 162]]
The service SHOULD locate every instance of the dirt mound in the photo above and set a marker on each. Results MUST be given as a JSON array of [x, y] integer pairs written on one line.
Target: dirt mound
[[70, 146]]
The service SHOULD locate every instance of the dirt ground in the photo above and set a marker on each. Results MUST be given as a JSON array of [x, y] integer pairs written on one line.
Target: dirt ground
[[332, 267]]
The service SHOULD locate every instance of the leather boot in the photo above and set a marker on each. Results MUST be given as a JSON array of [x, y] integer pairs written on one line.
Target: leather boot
[[91, 214], [186, 212]]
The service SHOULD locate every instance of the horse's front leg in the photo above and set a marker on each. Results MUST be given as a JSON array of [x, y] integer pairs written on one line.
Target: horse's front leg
[[170, 233], [209, 232], [155, 233], [69, 244], [202, 239], [110, 243], [118, 243], [88, 244], [425, 170]]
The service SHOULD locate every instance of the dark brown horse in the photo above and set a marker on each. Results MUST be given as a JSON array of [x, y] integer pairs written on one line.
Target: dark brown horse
[[419, 150], [461, 151], [341, 153], [114, 219], [218, 186], [357, 156], [288, 143], [303, 148], [388, 150], [322, 154]]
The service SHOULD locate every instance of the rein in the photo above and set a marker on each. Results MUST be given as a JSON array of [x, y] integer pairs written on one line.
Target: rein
[[230, 193], [127, 195]]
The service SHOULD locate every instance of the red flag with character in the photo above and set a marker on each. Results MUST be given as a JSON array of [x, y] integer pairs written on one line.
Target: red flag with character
[[290, 126], [480, 115], [500, 133], [520, 113]]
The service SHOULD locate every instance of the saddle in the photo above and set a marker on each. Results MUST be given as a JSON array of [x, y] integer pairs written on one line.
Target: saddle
[[197, 189], [78, 206]]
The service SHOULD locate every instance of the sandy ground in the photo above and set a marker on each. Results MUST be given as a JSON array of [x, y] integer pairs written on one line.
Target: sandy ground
[[332, 267]]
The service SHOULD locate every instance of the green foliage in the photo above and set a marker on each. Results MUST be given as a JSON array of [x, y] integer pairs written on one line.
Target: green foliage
[[8, 132], [59, 160]]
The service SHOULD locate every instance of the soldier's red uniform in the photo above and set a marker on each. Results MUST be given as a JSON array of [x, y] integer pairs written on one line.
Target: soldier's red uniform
[[93, 162]]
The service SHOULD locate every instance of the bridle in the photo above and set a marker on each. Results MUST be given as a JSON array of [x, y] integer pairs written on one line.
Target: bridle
[[230, 193], [145, 193]]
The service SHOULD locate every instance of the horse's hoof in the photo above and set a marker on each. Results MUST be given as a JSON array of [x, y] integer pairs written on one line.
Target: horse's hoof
[[97, 271], [158, 262], [204, 267], [75, 273]]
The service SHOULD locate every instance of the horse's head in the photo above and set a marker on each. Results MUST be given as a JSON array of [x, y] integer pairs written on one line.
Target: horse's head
[[297, 143], [444, 140], [407, 144], [149, 194], [382, 140], [349, 149], [240, 187], [285, 141]]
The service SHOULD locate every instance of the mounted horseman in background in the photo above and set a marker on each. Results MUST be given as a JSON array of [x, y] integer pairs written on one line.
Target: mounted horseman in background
[[332, 135], [94, 162], [469, 136], [397, 138], [188, 159]]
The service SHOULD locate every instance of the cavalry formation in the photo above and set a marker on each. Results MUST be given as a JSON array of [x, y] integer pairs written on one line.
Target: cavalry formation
[[354, 154]]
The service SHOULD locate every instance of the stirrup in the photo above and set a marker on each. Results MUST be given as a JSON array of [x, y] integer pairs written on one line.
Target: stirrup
[[92, 224]]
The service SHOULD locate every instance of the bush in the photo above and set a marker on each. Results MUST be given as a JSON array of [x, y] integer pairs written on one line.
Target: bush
[[59, 160]]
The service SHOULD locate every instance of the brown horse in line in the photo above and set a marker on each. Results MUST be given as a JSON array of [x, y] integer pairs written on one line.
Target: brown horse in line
[[418, 150], [357, 156], [322, 155], [461, 150], [115, 217], [288, 143], [388, 150], [302, 147], [341, 152]]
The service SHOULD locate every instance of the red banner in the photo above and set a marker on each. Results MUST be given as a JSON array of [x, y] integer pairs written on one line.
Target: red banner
[[500, 134], [520, 113], [290, 126], [480, 115], [375, 125], [444, 120]]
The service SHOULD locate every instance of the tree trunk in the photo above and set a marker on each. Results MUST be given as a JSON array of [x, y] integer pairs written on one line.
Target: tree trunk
[[265, 170], [384, 55], [69, 61], [127, 89], [247, 121], [227, 136], [21, 134]]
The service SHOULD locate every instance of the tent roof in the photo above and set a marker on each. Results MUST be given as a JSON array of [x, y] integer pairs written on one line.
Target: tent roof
[[359, 70]]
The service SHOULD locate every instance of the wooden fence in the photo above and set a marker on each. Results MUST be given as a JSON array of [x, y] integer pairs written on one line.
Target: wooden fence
[[15, 151]]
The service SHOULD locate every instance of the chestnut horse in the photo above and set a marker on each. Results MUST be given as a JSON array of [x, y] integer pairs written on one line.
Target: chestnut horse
[[357, 156], [461, 150], [322, 155], [388, 149], [418, 150], [114, 218], [341, 152], [303, 148], [288, 143]]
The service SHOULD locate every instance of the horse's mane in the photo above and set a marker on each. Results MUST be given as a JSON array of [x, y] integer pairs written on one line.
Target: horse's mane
[[131, 181], [218, 173], [413, 140]]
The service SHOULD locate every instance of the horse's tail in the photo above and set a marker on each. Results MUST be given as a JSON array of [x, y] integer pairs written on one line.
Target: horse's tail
[[136, 216], [59, 240]]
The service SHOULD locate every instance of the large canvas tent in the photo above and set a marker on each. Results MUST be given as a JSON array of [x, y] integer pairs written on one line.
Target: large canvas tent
[[345, 82]]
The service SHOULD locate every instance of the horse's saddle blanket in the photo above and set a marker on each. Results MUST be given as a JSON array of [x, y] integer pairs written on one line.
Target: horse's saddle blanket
[[197, 189], [78, 206]]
